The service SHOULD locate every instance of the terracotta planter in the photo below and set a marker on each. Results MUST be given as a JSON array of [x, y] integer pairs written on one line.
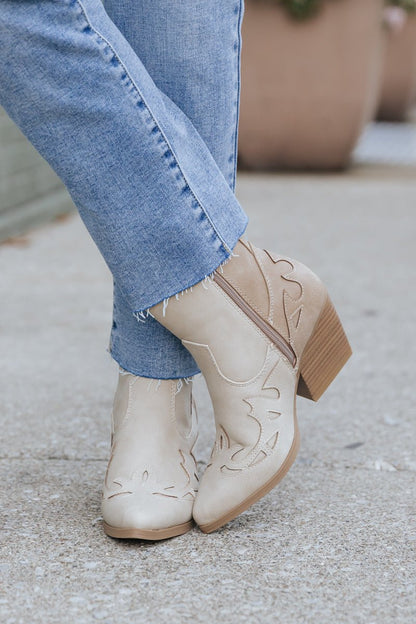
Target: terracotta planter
[[308, 88], [398, 92]]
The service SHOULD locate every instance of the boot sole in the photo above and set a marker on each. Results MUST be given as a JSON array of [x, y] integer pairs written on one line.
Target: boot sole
[[258, 494], [148, 534]]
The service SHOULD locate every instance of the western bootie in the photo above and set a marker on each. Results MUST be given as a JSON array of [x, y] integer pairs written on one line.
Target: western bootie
[[151, 479], [262, 330]]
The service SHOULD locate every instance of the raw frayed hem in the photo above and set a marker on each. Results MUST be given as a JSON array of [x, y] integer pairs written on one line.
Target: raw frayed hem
[[143, 315], [181, 382], [139, 373], [154, 384]]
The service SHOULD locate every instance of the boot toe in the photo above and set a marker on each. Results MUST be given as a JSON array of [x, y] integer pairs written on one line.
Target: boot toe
[[223, 495], [146, 512]]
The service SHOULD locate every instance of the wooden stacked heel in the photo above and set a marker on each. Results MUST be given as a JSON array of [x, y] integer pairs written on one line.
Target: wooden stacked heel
[[324, 356]]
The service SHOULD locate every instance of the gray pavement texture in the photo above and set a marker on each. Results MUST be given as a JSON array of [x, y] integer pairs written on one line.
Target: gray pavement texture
[[333, 543]]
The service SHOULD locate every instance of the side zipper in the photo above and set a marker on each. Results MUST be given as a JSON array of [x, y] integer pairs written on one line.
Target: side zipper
[[267, 329]]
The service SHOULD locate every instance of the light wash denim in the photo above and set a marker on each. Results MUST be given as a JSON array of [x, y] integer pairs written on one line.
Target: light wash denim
[[142, 129]]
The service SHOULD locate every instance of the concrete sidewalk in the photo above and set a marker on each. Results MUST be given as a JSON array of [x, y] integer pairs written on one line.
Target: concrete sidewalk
[[333, 543]]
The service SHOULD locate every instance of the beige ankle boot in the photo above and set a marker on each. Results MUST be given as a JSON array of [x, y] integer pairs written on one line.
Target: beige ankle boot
[[262, 330], [151, 479]]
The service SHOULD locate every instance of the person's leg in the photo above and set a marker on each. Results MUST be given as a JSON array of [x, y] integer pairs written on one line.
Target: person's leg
[[192, 51], [78, 101], [145, 183]]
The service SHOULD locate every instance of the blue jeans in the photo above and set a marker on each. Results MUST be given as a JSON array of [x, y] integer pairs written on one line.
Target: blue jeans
[[135, 106]]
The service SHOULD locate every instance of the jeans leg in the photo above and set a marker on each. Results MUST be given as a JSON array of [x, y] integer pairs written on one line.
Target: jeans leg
[[192, 51], [144, 181]]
